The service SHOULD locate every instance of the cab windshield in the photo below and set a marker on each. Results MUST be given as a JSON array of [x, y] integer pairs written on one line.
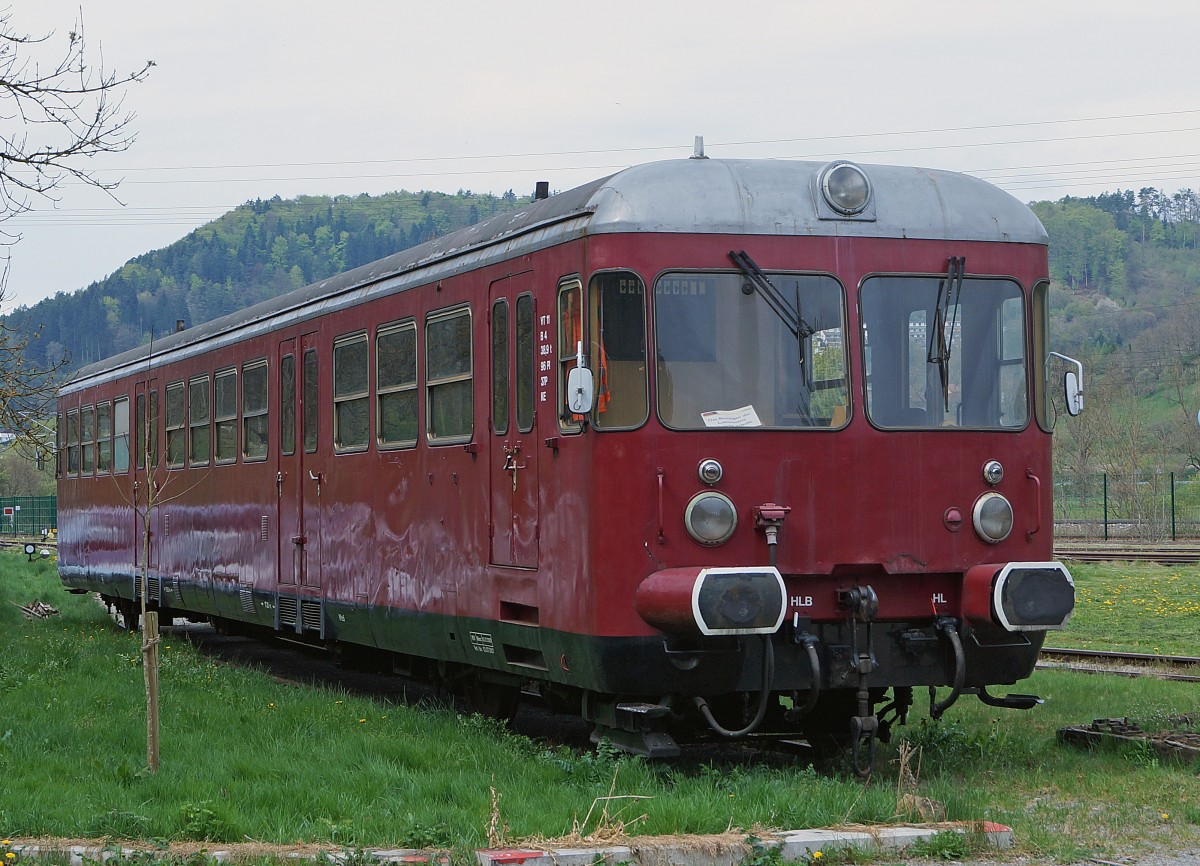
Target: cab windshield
[[726, 358], [941, 353]]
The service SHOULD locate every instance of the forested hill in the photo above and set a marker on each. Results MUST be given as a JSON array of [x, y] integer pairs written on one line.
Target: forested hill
[[1126, 270], [254, 252]]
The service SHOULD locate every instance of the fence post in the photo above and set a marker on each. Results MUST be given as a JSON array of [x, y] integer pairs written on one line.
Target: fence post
[[1105, 477], [1173, 505]]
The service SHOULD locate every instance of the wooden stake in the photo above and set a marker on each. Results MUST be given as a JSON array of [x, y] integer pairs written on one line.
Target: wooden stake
[[150, 641]]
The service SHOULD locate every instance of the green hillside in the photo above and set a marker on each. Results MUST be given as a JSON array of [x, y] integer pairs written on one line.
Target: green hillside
[[254, 252]]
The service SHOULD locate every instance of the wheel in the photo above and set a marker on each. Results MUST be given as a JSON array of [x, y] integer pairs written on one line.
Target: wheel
[[130, 612], [494, 700]]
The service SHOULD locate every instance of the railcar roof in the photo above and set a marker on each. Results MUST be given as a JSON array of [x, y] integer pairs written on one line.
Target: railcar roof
[[764, 197]]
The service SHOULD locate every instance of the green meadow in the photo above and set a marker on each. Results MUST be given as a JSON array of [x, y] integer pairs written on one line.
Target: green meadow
[[247, 758]]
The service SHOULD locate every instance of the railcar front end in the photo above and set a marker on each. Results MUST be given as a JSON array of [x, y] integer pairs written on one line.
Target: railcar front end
[[828, 478]]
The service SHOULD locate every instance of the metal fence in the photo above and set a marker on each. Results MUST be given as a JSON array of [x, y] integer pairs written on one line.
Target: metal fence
[[1157, 505], [28, 516]]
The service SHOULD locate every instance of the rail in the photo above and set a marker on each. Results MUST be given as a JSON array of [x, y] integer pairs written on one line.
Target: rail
[[1125, 664], [1179, 553]]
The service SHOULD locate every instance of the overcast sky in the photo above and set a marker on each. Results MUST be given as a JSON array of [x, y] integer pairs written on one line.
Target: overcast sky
[[251, 99]]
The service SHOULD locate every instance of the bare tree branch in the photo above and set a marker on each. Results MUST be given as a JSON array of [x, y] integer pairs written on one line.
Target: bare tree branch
[[53, 119]]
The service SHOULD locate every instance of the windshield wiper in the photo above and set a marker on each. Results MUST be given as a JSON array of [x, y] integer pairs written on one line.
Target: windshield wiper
[[941, 339], [788, 314]]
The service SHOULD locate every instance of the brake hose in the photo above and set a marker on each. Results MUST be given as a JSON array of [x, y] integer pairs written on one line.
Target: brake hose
[[768, 677]]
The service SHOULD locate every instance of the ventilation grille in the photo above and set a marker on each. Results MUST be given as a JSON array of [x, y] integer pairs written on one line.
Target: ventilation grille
[[266, 525], [153, 588], [310, 613], [247, 598]]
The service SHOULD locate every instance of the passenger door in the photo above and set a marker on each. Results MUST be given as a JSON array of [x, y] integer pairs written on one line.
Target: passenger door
[[298, 479], [289, 472], [514, 493]]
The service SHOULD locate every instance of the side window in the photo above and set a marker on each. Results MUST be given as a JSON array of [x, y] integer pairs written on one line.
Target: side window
[[526, 363], [1038, 329], [254, 410], [617, 352], [309, 394], [199, 432], [500, 371], [104, 437], [396, 385], [448, 388], [287, 404], [121, 435], [176, 413], [1014, 401], [351, 397], [73, 442], [225, 416], [570, 332], [87, 436]]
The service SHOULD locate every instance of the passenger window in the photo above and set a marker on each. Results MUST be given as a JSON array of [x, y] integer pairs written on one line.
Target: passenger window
[[570, 332], [617, 352], [199, 432], [141, 431], [225, 416], [309, 395], [526, 363], [87, 434], [103, 437], [448, 372], [351, 398], [176, 414], [287, 404], [254, 410], [500, 371], [121, 435], [396, 385], [73, 442]]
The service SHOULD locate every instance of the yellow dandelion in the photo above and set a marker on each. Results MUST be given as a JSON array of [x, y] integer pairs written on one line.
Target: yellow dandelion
[[1166, 815], [817, 855], [9, 855], [362, 721]]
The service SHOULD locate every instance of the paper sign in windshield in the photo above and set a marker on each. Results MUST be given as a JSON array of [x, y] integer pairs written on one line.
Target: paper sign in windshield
[[744, 417]]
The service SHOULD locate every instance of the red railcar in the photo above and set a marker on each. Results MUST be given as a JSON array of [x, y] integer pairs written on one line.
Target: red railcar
[[706, 445]]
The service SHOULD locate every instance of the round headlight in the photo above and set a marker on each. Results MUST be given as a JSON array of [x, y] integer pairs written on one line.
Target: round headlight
[[846, 188], [710, 517], [993, 517], [710, 471], [993, 472]]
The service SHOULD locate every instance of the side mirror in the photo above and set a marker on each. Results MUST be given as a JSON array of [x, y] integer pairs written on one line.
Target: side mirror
[[1072, 384], [1074, 393], [581, 388]]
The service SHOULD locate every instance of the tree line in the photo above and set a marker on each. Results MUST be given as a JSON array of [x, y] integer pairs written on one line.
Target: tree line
[[256, 251]]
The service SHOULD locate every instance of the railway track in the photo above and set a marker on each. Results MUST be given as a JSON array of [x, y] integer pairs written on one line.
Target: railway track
[[1166, 553], [1178, 668]]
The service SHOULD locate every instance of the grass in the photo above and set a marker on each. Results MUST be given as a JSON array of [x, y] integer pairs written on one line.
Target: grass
[[245, 757], [1134, 607]]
